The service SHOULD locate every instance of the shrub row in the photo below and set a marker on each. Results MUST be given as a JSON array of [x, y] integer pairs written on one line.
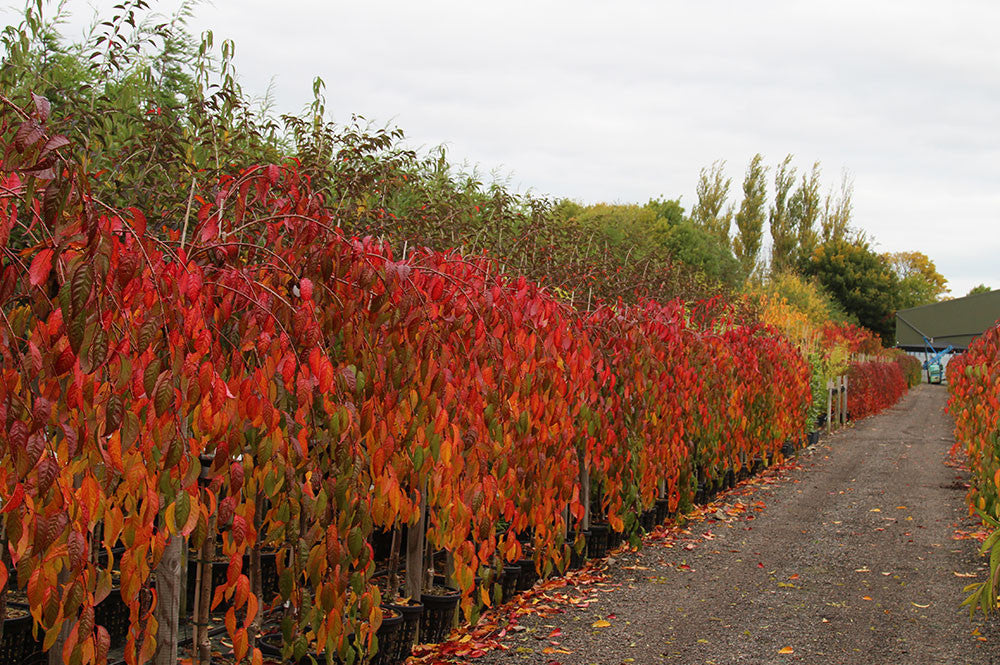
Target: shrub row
[[262, 379], [874, 386], [974, 383]]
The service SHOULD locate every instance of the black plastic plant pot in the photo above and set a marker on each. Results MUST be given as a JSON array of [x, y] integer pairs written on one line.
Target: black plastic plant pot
[[662, 510], [787, 448], [614, 539], [577, 559], [528, 575], [270, 644], [813, 438], [381, 542], [442, 582], [597, 541], [438, 616], [389, 634], [112, 613], [648, 519], [508, 581], [268, 577], [102, 560], [18, 645], [729, 480], [218, 573], [407, 635]]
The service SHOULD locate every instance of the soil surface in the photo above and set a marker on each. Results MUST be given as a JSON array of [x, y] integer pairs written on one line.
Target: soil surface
[[847, 555]]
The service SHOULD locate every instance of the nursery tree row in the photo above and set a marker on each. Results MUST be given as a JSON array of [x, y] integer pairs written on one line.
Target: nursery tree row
[[261, 380], [974, 383]]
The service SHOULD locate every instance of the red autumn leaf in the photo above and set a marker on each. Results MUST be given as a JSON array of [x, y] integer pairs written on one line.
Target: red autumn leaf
[[54, 143], [42, 107], [41, 265], [306, 289]]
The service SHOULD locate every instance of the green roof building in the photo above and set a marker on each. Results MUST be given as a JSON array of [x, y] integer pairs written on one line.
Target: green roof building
[[947, 323]]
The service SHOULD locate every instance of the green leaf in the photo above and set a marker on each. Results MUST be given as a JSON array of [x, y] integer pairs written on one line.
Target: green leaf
[[81, 284], [163, 399]]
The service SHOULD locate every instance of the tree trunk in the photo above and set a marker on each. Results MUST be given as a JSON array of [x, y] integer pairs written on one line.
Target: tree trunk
[[393, 577], [415, 546], [56, 651], [202, 643], [168, 602], [256, 582]]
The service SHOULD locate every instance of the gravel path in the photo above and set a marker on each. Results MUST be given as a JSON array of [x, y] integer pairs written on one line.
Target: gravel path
[[848, 557]]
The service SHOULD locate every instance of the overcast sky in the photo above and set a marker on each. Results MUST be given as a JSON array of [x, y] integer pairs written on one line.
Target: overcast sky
[[623, 101]]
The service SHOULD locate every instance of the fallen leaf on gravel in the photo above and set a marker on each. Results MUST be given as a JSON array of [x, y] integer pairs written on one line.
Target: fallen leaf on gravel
[[793, 577], [965, 574], [554, 650], [862, 570], [923, 607], [786, 650], [601, 623], [900, 507], [875, 510], [556, 632], [702, 641]]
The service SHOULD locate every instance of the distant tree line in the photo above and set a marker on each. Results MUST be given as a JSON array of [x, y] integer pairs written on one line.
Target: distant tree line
[[163, 111]]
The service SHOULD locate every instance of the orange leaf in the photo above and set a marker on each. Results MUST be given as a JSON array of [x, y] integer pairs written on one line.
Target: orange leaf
[[786, 650]]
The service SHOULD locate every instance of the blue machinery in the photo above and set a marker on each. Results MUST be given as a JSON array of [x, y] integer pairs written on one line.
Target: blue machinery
[[932, 357], [933, 362]]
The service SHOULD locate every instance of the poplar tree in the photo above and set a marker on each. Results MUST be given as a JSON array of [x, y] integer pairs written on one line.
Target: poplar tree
[[837, 214], [750, 218], [804, 210], [712, 191], [783, 232]]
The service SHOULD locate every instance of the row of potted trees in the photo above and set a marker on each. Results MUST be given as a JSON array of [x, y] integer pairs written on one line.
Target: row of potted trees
[[255, 381]]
